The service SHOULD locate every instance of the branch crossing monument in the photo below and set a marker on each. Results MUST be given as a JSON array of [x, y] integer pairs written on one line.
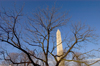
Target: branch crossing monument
[[59, 48]]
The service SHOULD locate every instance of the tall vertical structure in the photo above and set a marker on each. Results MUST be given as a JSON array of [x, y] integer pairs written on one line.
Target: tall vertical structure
[[59, 48]]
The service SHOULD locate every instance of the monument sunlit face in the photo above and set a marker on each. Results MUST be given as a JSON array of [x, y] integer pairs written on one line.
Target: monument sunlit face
[[59, 47]]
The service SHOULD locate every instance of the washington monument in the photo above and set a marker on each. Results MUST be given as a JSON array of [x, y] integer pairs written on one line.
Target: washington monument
[[59, 48]]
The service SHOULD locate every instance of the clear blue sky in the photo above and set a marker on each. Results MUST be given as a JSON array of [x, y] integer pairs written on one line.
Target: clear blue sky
[[87, 12]]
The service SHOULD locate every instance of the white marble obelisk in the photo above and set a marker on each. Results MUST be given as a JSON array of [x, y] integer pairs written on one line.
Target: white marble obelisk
[[59, 47]]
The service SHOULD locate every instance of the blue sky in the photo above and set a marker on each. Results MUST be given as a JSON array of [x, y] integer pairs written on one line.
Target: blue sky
[[87, 12]]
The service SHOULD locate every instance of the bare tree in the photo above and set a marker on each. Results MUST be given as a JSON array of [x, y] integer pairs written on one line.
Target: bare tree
[[38, 34], [9, 32], [17, 58]]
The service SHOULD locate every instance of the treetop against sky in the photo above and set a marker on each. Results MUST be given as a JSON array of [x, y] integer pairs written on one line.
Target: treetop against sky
[[87, 12]]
